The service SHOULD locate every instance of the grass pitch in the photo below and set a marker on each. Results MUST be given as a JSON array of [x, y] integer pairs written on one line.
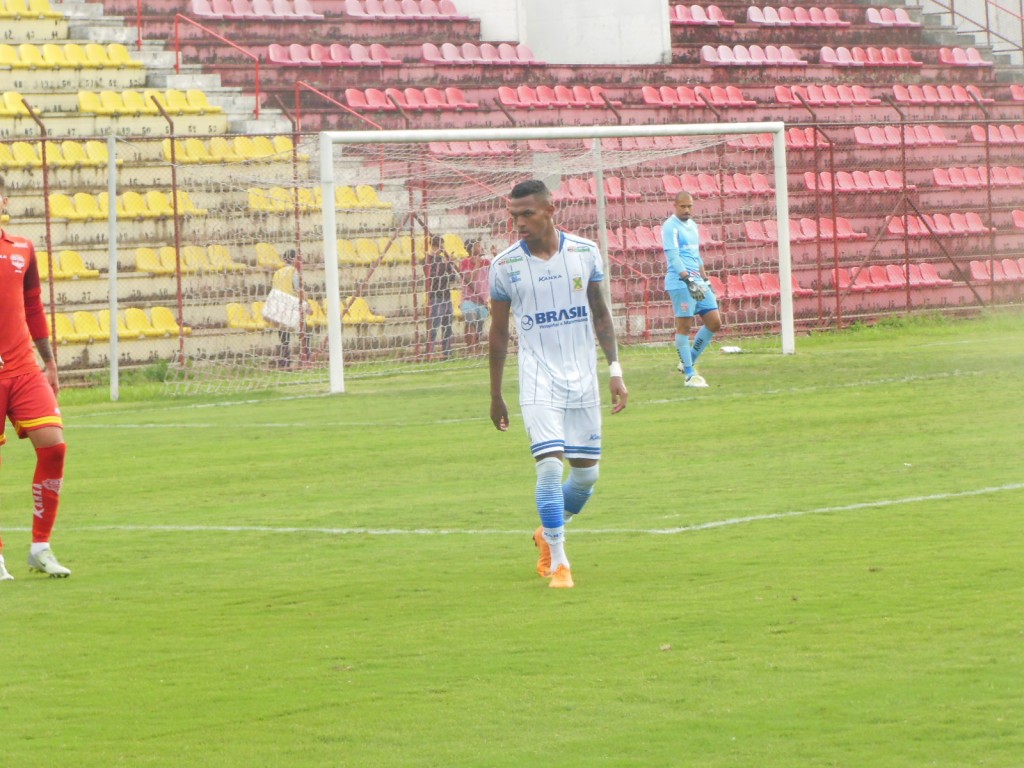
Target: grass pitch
[[816, 562]]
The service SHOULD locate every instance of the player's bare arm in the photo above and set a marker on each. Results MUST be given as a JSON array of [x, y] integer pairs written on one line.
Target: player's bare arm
[[604, 329], [49, 363], [497, 343]]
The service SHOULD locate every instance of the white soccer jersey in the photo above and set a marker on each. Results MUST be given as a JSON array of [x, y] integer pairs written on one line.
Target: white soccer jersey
[[557, 353]]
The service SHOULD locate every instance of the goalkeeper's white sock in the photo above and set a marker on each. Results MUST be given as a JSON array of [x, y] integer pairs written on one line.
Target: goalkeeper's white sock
[[704, 337], [685, 354]]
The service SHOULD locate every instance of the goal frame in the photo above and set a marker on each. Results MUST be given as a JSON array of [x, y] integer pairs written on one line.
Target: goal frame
[[330, 139]]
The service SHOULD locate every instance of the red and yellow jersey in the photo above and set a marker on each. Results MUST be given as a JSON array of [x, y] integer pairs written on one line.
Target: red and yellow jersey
[[22, 315]]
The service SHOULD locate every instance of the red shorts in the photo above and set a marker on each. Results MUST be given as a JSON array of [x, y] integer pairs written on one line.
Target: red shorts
[[30, 404]]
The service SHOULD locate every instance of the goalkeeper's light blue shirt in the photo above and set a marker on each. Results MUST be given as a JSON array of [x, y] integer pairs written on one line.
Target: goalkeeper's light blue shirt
[[681, 241]]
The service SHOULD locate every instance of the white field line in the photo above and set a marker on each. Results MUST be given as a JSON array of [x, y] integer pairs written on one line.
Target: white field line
[[577, 530]]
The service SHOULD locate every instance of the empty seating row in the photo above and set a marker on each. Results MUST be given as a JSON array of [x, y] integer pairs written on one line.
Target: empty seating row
[[67, 56], [451, 99], [969, 223], [645, 143], [825, 95], [754, 286], [586, 190], [700, 96], [643, 238], [858, 181], [973, 177], [999, 134], [548, 97], [796, 138], [66, 153], [868, 56], [267, 10], [12, 104], [891, 136], [890, 17], [998, 270], [403, 9], [224, 149], [487, 54], [708, 185], [333, 55], [250, 318], [962, 57], [470, 148], [751, 56], [802, 230], [194, 259], [938, 94], [284, 200], [135, 103], [66, 265], [887, 277], [698, 15], [82, 327], [784, 16], [28, 9], [130, 205], [363, 251]]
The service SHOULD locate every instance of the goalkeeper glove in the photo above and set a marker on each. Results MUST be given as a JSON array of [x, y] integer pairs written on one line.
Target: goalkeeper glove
[[695, 289]]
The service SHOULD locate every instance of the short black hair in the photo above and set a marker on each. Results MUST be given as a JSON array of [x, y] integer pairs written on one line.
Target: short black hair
[[530, 187], [436, 241], [289, 255]]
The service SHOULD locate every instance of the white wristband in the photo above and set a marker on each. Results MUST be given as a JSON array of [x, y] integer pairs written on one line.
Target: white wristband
[[615, 370]]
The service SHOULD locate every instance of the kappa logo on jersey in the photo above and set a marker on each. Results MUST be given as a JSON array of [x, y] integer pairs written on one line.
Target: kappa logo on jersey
[[545, 278]]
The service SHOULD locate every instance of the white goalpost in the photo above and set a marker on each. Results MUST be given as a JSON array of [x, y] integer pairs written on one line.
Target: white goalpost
[[333, 144], [352, 214]]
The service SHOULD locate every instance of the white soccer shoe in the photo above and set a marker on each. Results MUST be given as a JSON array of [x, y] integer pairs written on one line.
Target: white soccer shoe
[[4, 575], [696, 380], [46, 562]]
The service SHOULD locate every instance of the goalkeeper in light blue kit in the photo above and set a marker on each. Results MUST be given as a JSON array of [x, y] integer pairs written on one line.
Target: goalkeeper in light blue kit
[[687, 284]]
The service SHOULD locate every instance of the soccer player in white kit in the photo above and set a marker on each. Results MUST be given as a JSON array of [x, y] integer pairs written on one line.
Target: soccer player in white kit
[[550, 281]]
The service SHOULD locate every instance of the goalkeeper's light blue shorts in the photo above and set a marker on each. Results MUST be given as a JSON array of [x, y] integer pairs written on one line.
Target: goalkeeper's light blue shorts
[[684, 305]]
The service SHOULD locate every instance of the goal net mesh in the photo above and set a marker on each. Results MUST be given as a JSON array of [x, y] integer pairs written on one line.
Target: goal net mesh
[[245, 214]]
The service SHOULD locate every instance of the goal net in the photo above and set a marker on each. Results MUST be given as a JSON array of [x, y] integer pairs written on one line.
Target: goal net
[[259, 224]]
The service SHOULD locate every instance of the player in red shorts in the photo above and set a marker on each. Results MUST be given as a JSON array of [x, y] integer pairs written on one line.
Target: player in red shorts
[[28, 396]]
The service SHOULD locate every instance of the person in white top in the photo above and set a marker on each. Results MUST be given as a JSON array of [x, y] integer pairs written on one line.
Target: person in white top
[[550, 281]]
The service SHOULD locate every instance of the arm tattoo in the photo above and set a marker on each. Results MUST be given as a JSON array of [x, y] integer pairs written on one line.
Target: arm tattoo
[[45, 350]]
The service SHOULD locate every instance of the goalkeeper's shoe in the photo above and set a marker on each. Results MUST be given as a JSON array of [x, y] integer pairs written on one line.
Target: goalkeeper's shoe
[[695, 380], [562, 578], [4, 575], [46, 562], [544, 558]]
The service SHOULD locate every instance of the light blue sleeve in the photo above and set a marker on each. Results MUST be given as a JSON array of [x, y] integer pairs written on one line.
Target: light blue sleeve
[[497, 290], [670, 242]]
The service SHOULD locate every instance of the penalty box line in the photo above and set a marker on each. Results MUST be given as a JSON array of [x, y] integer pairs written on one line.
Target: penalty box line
[[577, 531]]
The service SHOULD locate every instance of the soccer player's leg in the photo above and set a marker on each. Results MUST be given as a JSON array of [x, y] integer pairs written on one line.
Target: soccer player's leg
[[35, 415], [583, 450], [546, 430], [683, 306], [707, 308]]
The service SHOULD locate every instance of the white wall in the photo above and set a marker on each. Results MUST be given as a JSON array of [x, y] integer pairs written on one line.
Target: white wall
[[579, 31]]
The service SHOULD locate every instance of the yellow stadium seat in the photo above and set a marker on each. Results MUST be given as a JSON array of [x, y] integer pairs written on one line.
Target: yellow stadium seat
[[14, 104], [268, 257], [112, 103], [63, 207], [97, 152], [26, 154], [280, 200], [137, 320], [89, 206], [222, 151], [65, 327], [197, 152], [456, 303], [32, 57], [76, 56], [454, 246], [135, 207], [137, 103], [13, 9], [284, 145], [347, 252], [264, 147], [177, 103], [392, 250], [120, 57], [367, 251], [87, 324], [43, 265], [97, 54], [148, 260], [180, 151], [197, 100], [164, 320], [244, 148], [73, 266], [257, 315], [258, 200], [123, 331], [318, 318], [239, 316], [158, 204], [221, 261], [75, 155], [186, 206], [367, 197], [42, 9], [345, 198], [9, 54], [55, 56], [308, 201], [7, 159], [195, 259], [89, 101], [359, 312]]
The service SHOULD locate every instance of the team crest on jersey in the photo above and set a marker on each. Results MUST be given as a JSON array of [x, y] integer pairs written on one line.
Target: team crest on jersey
[[18, 261], [577, 283]]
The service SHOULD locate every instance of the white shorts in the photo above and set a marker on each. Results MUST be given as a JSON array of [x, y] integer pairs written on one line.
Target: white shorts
[[573, 432]]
